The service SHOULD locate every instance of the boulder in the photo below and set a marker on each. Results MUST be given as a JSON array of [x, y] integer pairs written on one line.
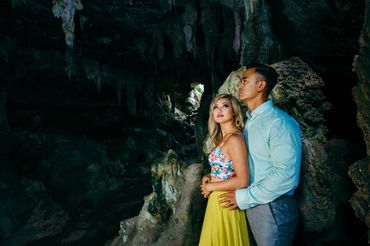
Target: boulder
[[172, 214], [300, 93]]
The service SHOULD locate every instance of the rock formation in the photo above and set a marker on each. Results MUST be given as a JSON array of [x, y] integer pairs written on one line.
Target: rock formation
[[84, 124], [299, 92], [172, 214], [360, 171]]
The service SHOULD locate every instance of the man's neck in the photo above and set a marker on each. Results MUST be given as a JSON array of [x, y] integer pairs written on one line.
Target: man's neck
[[253, 104]]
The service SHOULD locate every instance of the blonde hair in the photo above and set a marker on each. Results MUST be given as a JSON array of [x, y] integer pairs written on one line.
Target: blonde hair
[[214, 129]]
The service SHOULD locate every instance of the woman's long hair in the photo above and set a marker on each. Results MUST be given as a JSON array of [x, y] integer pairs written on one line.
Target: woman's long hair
[[214, 129]]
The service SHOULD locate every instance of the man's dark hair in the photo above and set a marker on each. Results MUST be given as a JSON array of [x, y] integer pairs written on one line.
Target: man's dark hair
[[268, 73]]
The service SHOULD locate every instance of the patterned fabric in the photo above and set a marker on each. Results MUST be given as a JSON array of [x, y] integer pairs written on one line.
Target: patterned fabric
[[221, 166]]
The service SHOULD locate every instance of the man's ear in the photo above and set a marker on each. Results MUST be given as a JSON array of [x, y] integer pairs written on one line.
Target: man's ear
[[262, 85]]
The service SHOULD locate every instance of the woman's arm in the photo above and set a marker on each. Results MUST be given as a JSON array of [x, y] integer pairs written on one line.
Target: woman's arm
[[236, 149]]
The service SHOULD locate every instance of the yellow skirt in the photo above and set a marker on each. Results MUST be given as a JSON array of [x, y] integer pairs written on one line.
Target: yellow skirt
[[223, 227]]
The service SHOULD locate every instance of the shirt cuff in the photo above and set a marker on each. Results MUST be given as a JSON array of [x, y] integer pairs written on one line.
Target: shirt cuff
[[241, 198]]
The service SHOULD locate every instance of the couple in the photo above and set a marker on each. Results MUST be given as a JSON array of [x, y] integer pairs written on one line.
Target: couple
[[256, 170]]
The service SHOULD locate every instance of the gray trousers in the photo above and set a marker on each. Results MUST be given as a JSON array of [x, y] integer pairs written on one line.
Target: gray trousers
[[274, 223]]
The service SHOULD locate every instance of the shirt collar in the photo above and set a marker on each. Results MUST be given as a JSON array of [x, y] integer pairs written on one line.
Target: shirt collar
[[260, 109]]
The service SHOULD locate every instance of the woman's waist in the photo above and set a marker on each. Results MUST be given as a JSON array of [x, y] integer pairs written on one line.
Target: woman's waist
[[215, 179], [221, 176], [216, 193]]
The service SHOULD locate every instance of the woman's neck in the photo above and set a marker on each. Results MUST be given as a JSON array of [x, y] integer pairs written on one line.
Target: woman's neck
[[228, 129]]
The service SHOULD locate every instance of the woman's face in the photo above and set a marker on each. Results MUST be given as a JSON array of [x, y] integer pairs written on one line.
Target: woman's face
[[223, 111]]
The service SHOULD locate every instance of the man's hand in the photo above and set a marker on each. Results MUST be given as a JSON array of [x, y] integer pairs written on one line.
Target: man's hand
[[228, 200]]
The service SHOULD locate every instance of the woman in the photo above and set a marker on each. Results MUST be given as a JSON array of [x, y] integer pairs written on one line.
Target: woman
[[229, 171]]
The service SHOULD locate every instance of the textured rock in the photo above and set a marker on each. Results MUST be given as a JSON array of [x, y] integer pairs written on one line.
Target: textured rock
[[232, 82], [131, 51], [299, 92], [361, 92], [360, 171], [4, 125], [28, 213], [80, 180], [171, 215]]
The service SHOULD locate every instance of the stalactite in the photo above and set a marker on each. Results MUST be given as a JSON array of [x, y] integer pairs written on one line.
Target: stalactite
[[4, 125], [267, 39], [119, 91], [131, 100], [16, 3], [251, 6], [210, 28], [92, 72], [190, 21], [102, 74], [188, 33], [6, 44], [171, 3], [83, 20], [34, 6], [141, 47], [66, 10], [257, 38], [236, 41], [104, 40], [177, 41], [71, 65], [148, 92], [99, 73], [158, 44]]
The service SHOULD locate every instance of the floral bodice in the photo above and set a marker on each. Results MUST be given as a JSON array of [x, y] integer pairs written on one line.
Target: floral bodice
[[221, 166]]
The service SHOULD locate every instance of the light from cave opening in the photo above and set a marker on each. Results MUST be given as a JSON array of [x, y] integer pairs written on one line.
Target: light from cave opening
[[195, 96]]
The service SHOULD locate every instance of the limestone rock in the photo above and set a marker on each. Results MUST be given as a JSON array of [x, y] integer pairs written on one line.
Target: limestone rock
[[300, 93], [172, 214], [360, 171], [232, 82], [28, 213]]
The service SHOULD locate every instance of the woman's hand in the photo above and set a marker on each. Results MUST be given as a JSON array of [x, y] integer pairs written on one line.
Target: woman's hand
[[205, 191]]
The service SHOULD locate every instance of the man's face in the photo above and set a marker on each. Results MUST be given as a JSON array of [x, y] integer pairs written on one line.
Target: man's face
[[249, 86]]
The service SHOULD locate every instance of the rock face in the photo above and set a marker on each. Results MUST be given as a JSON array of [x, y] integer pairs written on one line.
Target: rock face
[[54, 188], [172, 214], [299, 92], [360, 171], [4, 125], [99, 71], [28, 213]]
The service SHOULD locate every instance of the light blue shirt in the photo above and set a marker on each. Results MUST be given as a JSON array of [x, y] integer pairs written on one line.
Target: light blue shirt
[[274, 154]]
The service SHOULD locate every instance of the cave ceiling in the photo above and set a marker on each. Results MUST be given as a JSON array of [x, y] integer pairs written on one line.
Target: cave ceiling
[[132, 42]]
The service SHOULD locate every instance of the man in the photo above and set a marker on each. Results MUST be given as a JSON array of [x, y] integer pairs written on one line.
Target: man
[[274, 153]]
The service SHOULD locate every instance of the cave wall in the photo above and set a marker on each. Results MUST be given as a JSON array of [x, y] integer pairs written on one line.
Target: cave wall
[[113, 73], [360, 171]]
